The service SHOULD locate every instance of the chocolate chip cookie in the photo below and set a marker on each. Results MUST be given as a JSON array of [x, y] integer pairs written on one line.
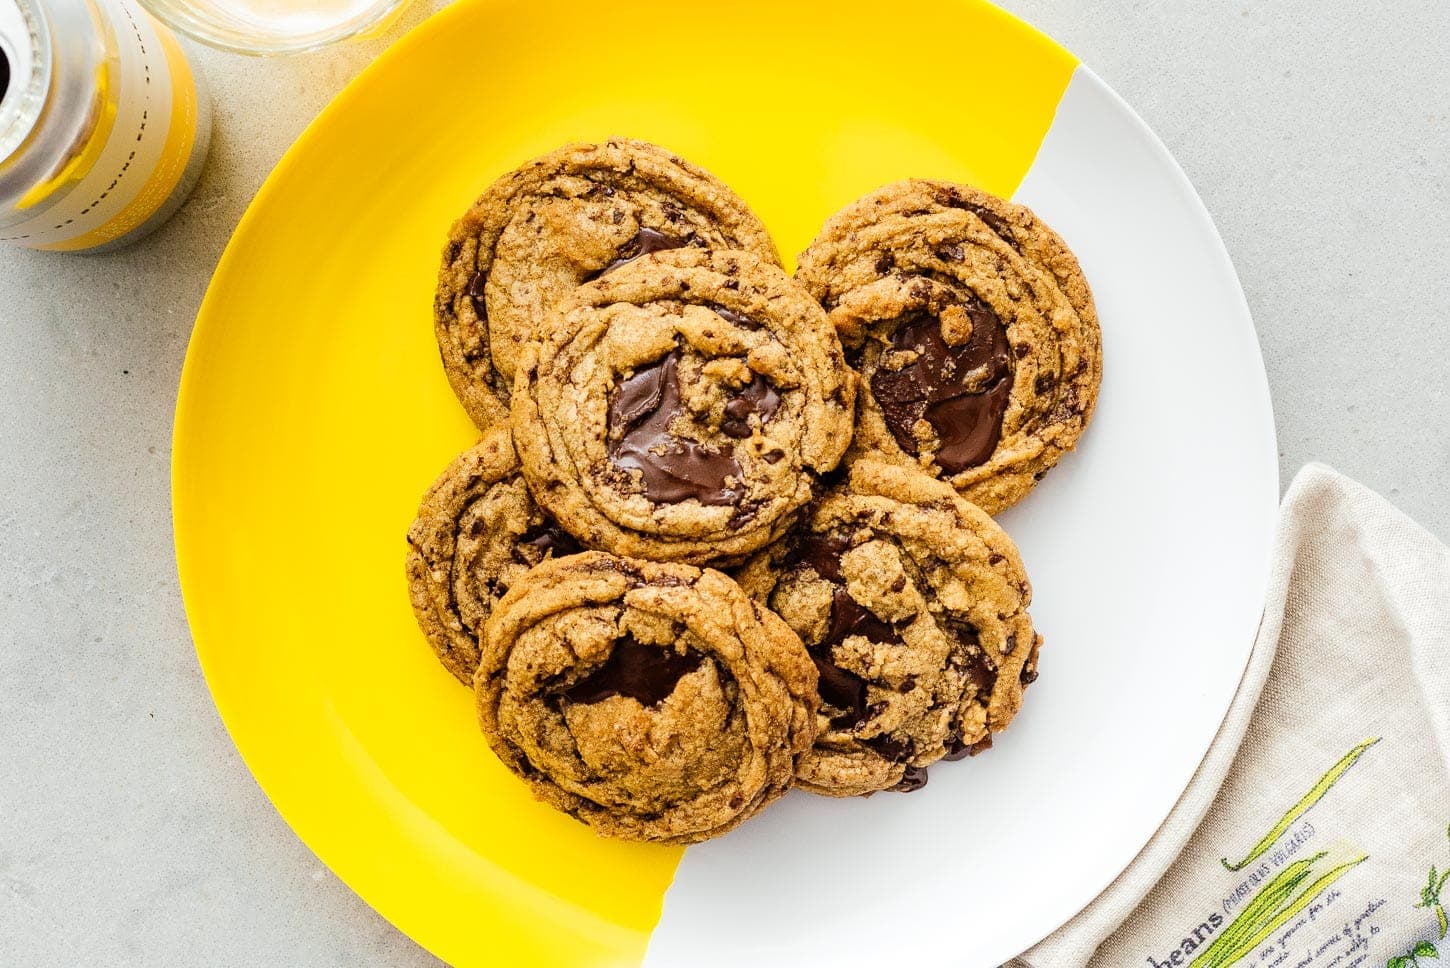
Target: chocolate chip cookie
[[913, 605], [476, 533], [651, 701], [683, 407], [972, 327], [558, 221]]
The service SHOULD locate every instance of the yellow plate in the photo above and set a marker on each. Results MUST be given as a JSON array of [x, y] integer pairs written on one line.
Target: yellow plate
[[313, 411]]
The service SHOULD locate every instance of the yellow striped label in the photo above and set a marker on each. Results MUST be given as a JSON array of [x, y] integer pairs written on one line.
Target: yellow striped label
[[174, 156], [73, 172]]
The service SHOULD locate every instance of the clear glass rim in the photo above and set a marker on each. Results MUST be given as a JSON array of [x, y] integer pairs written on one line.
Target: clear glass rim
[[181, 17]]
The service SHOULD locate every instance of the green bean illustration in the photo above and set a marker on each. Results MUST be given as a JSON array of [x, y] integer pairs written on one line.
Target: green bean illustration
[[1256, 913], [1411, 958], [1245, 942], [1430, 899], [1315, 794], [1430, 896]]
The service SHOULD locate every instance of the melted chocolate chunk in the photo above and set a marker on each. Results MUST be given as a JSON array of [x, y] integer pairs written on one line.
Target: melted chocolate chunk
[[912, 780], [969, 427], [895, 750], [646, 673], [844, 690], [961, 391], [958, 750], [745, 513], [849, 617], [977, 669], [549, 537], [731, 316], [994, 221], [823, 553], [640, 395], [759, 397], [644, 242], [475, 293], [964, 632], [673, 469]]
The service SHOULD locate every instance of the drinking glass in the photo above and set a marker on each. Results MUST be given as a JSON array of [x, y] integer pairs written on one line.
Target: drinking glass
[[275, 26]]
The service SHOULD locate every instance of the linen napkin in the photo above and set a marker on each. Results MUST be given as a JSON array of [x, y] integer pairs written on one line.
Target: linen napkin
[[1316, 832]]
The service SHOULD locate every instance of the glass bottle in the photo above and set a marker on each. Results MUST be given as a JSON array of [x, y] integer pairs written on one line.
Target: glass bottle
[[103, 124]]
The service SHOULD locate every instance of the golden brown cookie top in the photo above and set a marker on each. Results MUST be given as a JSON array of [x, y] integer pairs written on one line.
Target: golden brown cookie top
[[570, 216], [651, 701], [973, 330], [913, 605], [476, 532], [683, 407]]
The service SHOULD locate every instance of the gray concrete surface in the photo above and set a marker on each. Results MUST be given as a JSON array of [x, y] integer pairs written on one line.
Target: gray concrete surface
[[131, 833]]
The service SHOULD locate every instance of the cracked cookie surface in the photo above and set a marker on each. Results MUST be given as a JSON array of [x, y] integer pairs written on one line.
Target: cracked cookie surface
[[651, 701], [477, 531], [556, 222], [683, 407], [972, 327], [913, 605]]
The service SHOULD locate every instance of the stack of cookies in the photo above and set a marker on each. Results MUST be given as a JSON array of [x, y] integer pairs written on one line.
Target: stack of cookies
[[727, 531]]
